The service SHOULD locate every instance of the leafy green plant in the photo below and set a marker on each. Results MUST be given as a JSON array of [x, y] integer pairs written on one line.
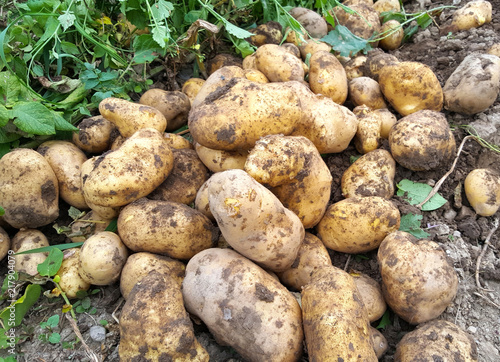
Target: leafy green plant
[[415, 193], [49, 325], [411, 223], [385, 320]]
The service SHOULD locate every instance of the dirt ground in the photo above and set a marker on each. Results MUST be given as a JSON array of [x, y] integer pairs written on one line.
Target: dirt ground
[[454, 226]]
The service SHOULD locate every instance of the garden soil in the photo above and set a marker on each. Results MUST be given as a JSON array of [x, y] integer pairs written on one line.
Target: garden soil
[[455, 226]]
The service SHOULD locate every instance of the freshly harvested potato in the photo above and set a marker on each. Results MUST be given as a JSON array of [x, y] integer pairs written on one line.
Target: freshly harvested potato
[[366, 91], [29, 193], [201, 201], [482, 188], [311, 21], [297, 174], [182, 184], [223, 60], [422, 141], [418, 280], [70, 280], [388, 120], [249, 62], [381, 6], [117, 142], [376, 61], [371, 294], [243, 306], [327, 76], [393, 33], [24, 240], [253, 221], [139, 265], [277, 64], [370, 175], [102, 258], [191, 87], [354, 67], [96, 134], [312, 46], [480, 72], [336, 325], [4, 243], [66, 160], [292, 49], [363, 22], [410, 87], [256, 76], [380, 344], [268, 33], [129, 117], [296, 37], [155, 326], [471, 15], [177, 142], [494, 49], [134, 170], [358, 224], [166, 228], [220, 160], [90, 224], [368, 136], [174, 106], [312, 256], [437, 340]]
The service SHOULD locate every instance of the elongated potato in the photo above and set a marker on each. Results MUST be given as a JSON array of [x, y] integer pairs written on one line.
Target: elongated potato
[[371, 294], [277, 64], [243, 306], [70, 280], [327, 76], [472, 15], [368, 135], [174, 106], [24, 240], [220, 160]]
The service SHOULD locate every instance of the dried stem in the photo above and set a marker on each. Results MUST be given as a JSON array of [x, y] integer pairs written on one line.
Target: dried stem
[[91, 354], [483, 252]]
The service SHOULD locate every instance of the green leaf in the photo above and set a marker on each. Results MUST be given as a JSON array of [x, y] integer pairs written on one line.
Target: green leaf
[[53, 321], [2, 211], [51, 265], [112, 226], [159, 34], [424, 20], [145, 49], [33, 118], [55, 338], [5, 344], [103, 322], [61, 124], [385, 321], [22, 305], [411, 223], [67, 19], [46, 249], [392, 15], [342, 40], [7, 137], [74, 213], [415, 193], [4, 116], [10, 88], [69, 48]]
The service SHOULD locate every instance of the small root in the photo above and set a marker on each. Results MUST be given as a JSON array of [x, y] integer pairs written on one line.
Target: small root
[[347, 262], [113, 314], [483, 252]]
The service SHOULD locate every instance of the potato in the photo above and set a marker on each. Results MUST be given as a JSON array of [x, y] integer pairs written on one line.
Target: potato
[[24, 240], [166, 228], [480, 72], [29, 193], [134, 170], [494, 49], [354, 67], [311, 21], [174, 106], [472, 15], [129, 117], [381, 6], [96, 134], [292, 49], [249, 62], [243, 306], [376, 61], [312, 46], [418, 280], [139, 265], [482, 188], [297, 174], [70, 280], [4, 243], [277, 64], [256, 76], [177, 142], [201, 201], [296, 37], [363, 22], [422, 141], [90, 224], [380, 344], [336, 325], [222, 60], [312, 256], [268, 33], [253, 221], [410, 87], [102, 258], [117, 142], [155, 326], [366, 91], [370, 175], [182, 184], [66, 160], [392, 33], [388, 120], [220, 160], [367, 136], [191, 87], [371, 294], [437, 340], [327, 76]]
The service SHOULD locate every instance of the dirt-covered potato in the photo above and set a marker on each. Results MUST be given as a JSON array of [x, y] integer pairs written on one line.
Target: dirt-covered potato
[[370, 175], [134, 170], [336, 324], [368, 135], [366, 91], [418, 279], [312, 255], [102, 258], [70, 280], [268, 33], [381, 6], [256, 76], [249, 62], [66, 160], [422, 141], [4, 243], [24, 240], [222, 60], [393, 33], [220, 160], [243, 306], [296, 173], [354, 67], [358, 224], [174, 106], [191, 87], [480, 72], [292, 49], [388, 120], [327, 76], [177, 142], [95, 134], [410, 87], [494, 49], [471, 15], [312, 46], [182, 184], [139, 265], [376, 61], [90, 224], [363, 21], [277, 64], [371, 294], [129, 117], [29, 191], [166, 228], [380, 344], [155, 326], [311, 21], [482, 188], [253, 220]]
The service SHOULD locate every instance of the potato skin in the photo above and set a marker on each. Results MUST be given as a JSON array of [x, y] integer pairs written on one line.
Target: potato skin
[[96, 134], [28, 239], [30, 191], [364, 90], [243, 306], [482, 188], [268, 33], [277, 64], [395, 33], [154, 325], [71, 282], [191, 87], [311, 21], [174, 106], [4, 243], [220, 160], [363, 23], [371, 294], [327, 76], [176, 142], [472, 15], [418, 281]]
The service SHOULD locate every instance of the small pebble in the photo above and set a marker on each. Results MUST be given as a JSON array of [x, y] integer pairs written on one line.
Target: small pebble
[[442, 229], [449, 215], [472, 329], [98, 333]]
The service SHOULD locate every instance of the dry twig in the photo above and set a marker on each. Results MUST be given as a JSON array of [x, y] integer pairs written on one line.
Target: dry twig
[[483, 252], [113, 314], [90, 354]]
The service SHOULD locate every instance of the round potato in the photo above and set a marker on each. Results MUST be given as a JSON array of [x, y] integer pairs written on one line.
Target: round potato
[[472, 15], [70, 280], [95, 134], [268, 33], [363, 21], [191, 87], [380, 344], [292, 49], [256, 76], [482, 188], [4, 243], [24, 240], [174, 106], [388, 120], [311, 21], [312, 46], [177, 142], [366, 91], [386, 5], [220, 160], [277, 64], [371, 294], [376, 61], [327, 76], [392, 33], [354, 67]]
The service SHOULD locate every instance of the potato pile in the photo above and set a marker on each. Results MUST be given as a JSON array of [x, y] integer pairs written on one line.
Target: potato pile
[[226, 225]]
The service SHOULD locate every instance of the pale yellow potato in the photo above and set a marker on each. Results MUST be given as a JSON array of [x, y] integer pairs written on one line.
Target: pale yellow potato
[[117, 142], [129, 117], [70, 280], [312, 46], [268, 33], [4, 243], [376, 61], [243, 306], [29, 191], [354, 67], [296, 38], [380, 344], [388, 120], [472, 15], [220, 160], [216, 80], [24, 240], [366, 91], [368, 136], [363, 21], [249, 62], [95, 134], [381, 6], [256, 76], [92, 222], [191, 87], [174, 105], [177, 142], [371, 294], [482, 188], [494, 49], [311, 21], [66, 160], [201, 201], [393, 34], [327, 76], [292, 49], [358, 224], [277, 64]]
